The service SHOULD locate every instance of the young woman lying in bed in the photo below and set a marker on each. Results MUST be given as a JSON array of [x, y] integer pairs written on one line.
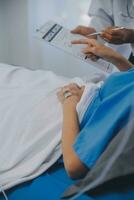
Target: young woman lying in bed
[[74, 163], [35, 124]]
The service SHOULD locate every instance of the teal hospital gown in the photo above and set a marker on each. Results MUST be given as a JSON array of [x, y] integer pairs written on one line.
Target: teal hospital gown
[[105, 116]]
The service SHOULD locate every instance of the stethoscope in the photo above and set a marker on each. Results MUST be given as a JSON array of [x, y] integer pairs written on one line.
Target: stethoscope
[[129, 10]]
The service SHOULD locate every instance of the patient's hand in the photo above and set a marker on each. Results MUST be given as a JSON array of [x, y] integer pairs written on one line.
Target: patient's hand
[[85, 31], [93, 47], [104, 52], [70, 94], [70, 129]]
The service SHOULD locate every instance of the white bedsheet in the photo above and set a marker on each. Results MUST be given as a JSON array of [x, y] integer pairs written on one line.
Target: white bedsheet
[[30, 121]]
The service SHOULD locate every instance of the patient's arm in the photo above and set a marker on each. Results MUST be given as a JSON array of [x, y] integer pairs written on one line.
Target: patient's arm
[[70, 130], [106, 53]]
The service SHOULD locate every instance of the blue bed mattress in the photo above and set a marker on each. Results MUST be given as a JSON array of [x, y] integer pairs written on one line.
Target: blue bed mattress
[[51, 185]]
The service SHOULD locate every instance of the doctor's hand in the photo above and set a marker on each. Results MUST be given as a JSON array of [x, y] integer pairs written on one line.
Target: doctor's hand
[[70, 95], [84, 30], [118, 35]]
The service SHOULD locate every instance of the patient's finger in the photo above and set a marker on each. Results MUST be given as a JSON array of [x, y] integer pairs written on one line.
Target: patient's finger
[[90, 50], [86, 51], [65, 89], [88, 55], [93, 57], [90, 42], [60, 96], [82, 41], [72, 85], [75, 85]]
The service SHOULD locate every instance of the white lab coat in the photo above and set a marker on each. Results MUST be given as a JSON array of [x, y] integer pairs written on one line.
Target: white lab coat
[[106, 13]]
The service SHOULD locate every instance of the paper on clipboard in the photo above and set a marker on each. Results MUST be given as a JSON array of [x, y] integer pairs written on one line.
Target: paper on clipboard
[[61, 38]]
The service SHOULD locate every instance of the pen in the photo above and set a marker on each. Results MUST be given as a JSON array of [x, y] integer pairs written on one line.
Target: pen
[[119, 28], [92, 34], [98, 33]]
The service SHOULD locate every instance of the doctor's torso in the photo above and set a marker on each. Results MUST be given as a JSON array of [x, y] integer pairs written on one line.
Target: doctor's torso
[[106, 13], [123, 13]]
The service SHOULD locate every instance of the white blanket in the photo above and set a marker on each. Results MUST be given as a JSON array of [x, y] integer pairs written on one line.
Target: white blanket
[[30, 121]]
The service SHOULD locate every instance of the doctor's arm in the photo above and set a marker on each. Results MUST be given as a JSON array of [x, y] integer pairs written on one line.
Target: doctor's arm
[[101, 14], [70, 130], [118, 35], [102, 19]]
